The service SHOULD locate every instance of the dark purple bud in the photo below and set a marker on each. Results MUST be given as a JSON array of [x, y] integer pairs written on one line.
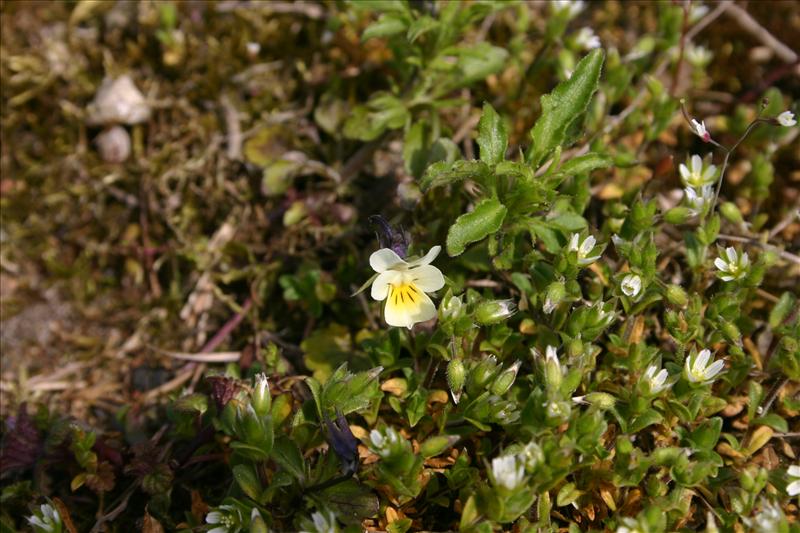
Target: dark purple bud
[[344, 444], [389, 237]]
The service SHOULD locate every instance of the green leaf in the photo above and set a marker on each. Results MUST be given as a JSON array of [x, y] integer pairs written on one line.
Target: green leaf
[[421, 26], [586, 163], [247, 480], [286, 453], [387, 25], [772, 420], [492, 136], [564, 105], [486, 219], [444, 173], [415, 149]]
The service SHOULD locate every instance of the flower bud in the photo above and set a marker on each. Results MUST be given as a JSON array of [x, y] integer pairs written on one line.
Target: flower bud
[[555, 293], [494, 311], [456, 375], [731, 212], [436, 445], [261, 397], [575, 348], [601, 400], [506, 378], [677, 296], [677, 215], [552, 369], [451, 306], [483, 372], [257, 524]]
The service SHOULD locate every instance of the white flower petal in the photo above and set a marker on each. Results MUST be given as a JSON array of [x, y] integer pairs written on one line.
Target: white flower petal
[[730, 251], [721, 264], [793, 488], [213, 517], [688, 370], [427, 258], [794, 471], [427, 278], [701, 361], [588, 245], [385, 259], [697, 164], [380, 287], [573, 242], [684, 171], [714, 369]]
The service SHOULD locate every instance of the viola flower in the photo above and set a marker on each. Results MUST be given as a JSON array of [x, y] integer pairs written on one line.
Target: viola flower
[[656, 382], [697, 369], [695, 175], [699, 129], [404, 286], [793, 488], [786, 119], [631, 285], [733, 266], [583, 249], [508, 471]]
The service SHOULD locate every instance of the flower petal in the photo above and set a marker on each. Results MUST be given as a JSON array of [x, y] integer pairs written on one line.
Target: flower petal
[[697, 164], [427, 278], [721, 264], [404, 314], [714, 368], [380, 287], [793, 488], [701, 361], [794, 471], [730, 251], [427, 258], [384, 259], [684, 171]]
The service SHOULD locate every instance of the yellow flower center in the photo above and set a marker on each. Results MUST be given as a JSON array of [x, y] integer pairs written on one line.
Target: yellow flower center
[[404, 295]]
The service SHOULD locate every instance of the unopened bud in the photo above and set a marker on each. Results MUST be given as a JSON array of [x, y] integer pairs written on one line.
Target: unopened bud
[[506, 378], [257, 524], [451, 307], [261, 397], [555, 293], [436, 445], [494, 311], [552, 369], [575, 348], [676, 295], [483, 372], [456, 375], [677, 215], [731, 212], [601, 399]]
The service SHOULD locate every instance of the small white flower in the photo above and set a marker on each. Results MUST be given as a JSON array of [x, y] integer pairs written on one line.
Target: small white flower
[[587, 39], [700, 130], [227, 519], [768, 520], [696, 199], [733, 266], [508, 471], [793, 488], [384, 443], [695, 175], [631, 285], [570, 7], [324, 523], [787, 119], [629, 525], [404, 286], [532, 455], [697, 369], [656, 382], [46, 521], [583, 249], [698, 56]]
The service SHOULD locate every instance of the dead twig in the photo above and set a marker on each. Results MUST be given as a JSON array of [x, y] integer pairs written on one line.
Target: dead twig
[[749, 24]]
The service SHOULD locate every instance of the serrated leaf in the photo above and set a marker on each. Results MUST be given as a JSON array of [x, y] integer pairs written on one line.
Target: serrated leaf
[[485, 220], [492, 136], [564, 105]]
